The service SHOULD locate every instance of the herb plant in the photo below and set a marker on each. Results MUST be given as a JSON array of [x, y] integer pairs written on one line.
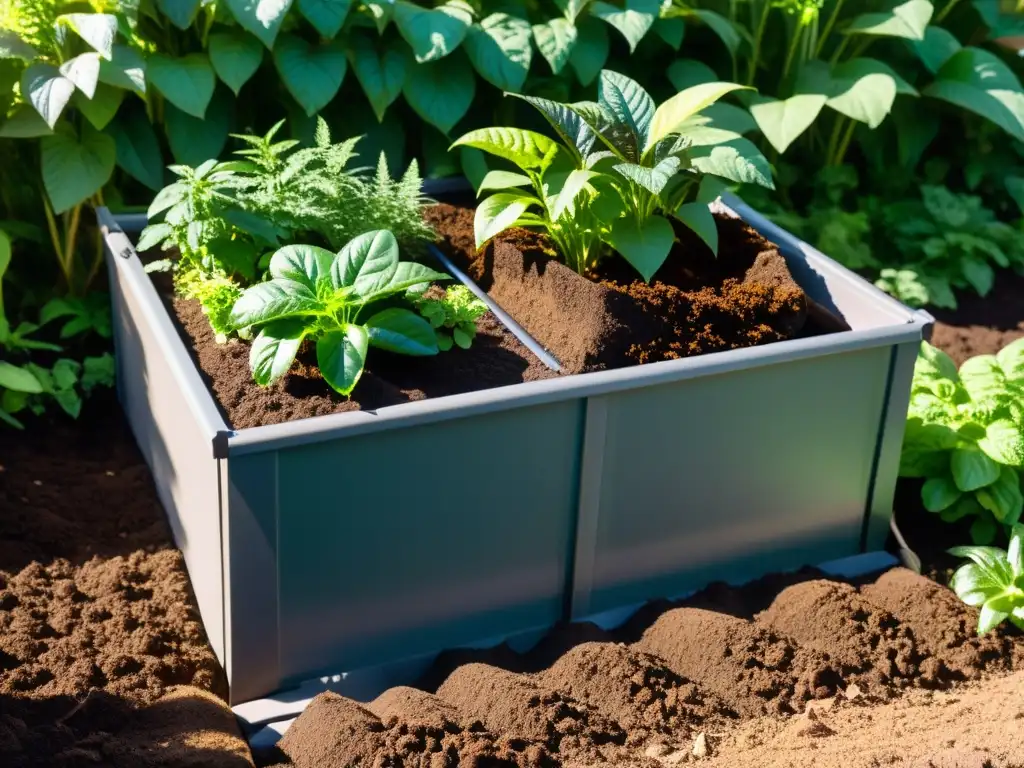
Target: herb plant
[[993, 582], [965, 435], [315, 294], [622, 167], [452, 316]]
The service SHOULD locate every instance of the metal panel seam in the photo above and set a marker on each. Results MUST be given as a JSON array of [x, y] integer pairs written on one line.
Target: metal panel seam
[[588, 509], [221, 490], [879, 441], [277, 559]]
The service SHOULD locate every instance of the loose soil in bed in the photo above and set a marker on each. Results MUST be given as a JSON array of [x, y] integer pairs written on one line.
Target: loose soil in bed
[[695, 304], [103, 659], [982, 325]]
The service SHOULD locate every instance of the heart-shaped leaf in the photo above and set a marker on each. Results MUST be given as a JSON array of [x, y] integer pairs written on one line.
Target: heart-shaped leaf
[[936, 48], [273, 350], [97, 29], [698, 217], [341, 356], [555, 41], [101, 108], [311, 73], [441, 92], [633, 20], [126, 69], [864, 90], [47, 90], [304, 264], [783, 121], [381, 11], [500, 48], [672, 30], [75, 168], [326, 16], [13, 47], [84, 71], [262, 18], [645, 247], [672, 114], [972, 469], [186, 82], [367, 263], [194, 141], [590, 52], [24, 123], [180, 12], [402, 331], [908, 20], [433, 33], [725, 154], [235, 57], [380, 68]]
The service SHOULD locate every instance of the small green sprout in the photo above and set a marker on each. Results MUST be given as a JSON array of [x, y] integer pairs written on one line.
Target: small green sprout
[[993, 582], [453, 317]]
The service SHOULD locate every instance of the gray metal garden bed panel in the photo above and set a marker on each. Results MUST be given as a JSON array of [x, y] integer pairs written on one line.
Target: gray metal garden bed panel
[[363, 538]]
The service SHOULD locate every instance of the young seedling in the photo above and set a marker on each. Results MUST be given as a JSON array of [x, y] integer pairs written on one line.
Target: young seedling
[[453, 316], [321, 296], [993, 582]]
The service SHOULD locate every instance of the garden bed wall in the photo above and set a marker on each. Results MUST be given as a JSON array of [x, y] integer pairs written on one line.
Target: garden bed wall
[[363, 538]]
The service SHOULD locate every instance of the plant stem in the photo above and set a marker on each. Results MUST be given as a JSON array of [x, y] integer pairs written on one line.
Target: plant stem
[[792, 50], [828, 27], [844, 145], [945, 11], [833, 140], [69, 245], [752, 69], [51, 225]]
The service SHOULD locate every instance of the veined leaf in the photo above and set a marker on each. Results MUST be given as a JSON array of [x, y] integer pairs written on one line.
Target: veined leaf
[[729, 156], [441, 92], [972, 469], [273, 300], [646, 246], [576, 182], [311, 73], [24, 123], [326, 16], [655, 179], [101, 108], [341, 356], [673, 113], [186, 82], [628, 103], [273, 350], [47, 90], [555, 41], [75, 168], [126, 69], [1004, 442], [433, 32], [526, 149], [907, 20], [235, 57], [633, 20], [698, 217], [501, 50], [502, 180], [497, 213], [783, 121], [1003, 498], [262, 18], [18, 379], [367, 263], [306, 264], [84, 71], [399, 330], [939, 493], [97, 29], [380, 69], [569, 126]]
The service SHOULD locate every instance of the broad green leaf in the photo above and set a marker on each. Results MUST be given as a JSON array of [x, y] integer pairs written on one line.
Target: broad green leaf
[[194, 141], [180, 12], [671, 115], [864, 90], [939, 493], [18, 379], [711, 188], [729, 156], [645, 247], [729, 117], [433, 33], [167, 198], [341, 356], [24, 123], [500, 48], [1004, 108], [577, 181], [916, 129], [262, 18], [1015, 552], [13, 47], [235, 56], [628, 103], [569, 126], [152, 236], [101, 108], [721, 26], [75, 168], [526, 149], [381, 11], [932, 362], [409, 275], [306, 264], [84, 71], [1015, 188], [1011, 360], [367, 263], [97, 29], [783, 121], [990, 560], [590, 52], [273, 300], [655, 179], [989, 619], [502, 180], [983, 378], [907, 20], [273, 350], [671, 30], [686, 73], [380, 68], [497, 213], [311, 73], [1003, 498], [571, 8], [1004, 442], [402, 331], [974, 584], [633, 20], [326, 16], [698, 217], [935, 48], [555, 41], [441, 92], [978, 273], [47, 90], [187, 82], [126, 69], [972, 469]]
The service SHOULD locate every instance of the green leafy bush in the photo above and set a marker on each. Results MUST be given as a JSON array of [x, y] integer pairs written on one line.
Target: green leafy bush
[[993, 582], [965, 435], [321, 296], [453, 316], [622, 167]]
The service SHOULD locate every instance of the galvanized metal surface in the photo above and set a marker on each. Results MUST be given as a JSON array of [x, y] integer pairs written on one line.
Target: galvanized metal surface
[[365, 538]]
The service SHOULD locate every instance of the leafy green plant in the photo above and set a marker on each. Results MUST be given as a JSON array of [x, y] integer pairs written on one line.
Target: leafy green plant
[[623, 166], [965, 435], [317, 295], [993, 582], [453, 316]]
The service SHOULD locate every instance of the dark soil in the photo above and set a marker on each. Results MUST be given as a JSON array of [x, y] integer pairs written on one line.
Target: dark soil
[[695, 304], [103, 659], [982, 326], [496, 359]]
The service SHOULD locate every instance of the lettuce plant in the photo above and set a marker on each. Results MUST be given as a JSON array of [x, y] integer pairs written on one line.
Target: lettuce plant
[[452, 316], [993, 581], [965, 435], [317, 295], [622, 167]]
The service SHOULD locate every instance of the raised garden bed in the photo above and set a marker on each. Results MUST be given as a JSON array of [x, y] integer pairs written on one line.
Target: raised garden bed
[[574, 476]]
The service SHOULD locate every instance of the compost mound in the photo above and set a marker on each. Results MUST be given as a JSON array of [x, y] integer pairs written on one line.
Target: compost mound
[[982, 325], [695, 304]]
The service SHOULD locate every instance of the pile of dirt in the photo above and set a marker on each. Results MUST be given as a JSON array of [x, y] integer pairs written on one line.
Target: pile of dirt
[[695, 304], [982, 325], [103, 658]]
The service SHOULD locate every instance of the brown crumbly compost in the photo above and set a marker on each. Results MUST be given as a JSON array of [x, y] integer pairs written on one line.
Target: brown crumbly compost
[[868, 643], [982, 325], [517, 707], [755, 670], [496, 359], [695, 304], [637, 690]]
